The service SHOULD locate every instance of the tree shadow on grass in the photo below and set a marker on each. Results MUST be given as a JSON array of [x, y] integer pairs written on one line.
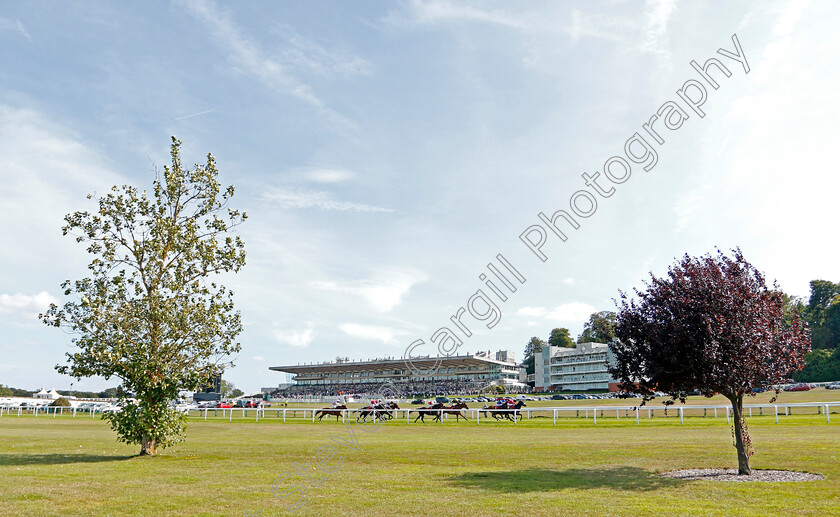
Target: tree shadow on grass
[[56, 459], [543, 480]]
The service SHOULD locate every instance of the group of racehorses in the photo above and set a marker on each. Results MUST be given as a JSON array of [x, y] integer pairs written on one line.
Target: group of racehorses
[[386, 410]]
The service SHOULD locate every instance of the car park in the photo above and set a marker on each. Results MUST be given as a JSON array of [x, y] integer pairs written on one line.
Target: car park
[[833, 386]]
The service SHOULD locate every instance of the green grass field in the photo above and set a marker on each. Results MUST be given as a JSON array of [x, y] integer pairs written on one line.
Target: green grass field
[[65, 466]]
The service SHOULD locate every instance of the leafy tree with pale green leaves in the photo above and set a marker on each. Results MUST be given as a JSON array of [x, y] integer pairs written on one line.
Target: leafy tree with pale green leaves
[[561, 337], [150, 313]]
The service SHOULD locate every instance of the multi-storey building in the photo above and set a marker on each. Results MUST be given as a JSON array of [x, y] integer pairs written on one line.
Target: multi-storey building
[[573, 369]]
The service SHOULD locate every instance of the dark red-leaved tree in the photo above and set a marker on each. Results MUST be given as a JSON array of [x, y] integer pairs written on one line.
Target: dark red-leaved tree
[[711, 325]]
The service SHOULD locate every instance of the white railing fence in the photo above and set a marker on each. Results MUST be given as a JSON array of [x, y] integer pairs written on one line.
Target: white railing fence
[[476, 414]]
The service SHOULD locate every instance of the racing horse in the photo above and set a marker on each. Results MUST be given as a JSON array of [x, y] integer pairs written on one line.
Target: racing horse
[[390, 408], [380, 411], [434, 410], [454, 409], [331, 411], [499, 413]]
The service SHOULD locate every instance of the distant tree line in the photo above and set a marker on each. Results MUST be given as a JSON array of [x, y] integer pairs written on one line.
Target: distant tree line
[[822, 312], [110, 393]]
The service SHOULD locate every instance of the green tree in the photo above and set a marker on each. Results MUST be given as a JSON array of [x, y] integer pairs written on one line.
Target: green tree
[[823, 314], [110, 393], [227, 387], [229, 390], [599, 329], [60, 402], [5, 391], [533, 348], [150, 313], [821, 365], [561, 337]]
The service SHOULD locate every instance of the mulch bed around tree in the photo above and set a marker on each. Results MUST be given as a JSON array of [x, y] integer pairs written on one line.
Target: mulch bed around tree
[[766, 476]]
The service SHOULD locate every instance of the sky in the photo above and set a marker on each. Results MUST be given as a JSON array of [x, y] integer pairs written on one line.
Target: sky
[[387, 152]]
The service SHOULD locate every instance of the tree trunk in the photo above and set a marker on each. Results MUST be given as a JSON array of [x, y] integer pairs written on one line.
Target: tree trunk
[[740, 446], [148, 446]]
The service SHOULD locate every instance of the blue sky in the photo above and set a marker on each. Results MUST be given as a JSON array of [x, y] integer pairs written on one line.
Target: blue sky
[[387, 151]]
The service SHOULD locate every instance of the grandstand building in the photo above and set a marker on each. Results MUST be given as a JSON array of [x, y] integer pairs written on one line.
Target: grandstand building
[[445, 373], [574, 369]]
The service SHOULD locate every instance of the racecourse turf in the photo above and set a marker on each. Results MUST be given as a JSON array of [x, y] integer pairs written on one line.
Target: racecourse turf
[[66, 466]]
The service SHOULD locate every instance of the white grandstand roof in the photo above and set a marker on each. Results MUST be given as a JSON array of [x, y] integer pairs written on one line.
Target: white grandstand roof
[[418, 363]]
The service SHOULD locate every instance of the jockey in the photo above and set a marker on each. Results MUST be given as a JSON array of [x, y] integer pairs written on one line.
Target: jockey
[[336, 403]]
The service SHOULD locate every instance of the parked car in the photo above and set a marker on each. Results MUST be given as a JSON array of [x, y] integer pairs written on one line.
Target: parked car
[[798, 387], [442, 400], [223, 405], [833, 386]]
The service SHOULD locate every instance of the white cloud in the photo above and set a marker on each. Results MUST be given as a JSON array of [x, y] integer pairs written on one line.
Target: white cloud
[[532, 311], [298, 198], [382, 293], [47, 172], [437, 12], [307, 55], [26, 305], [575, 311], [657, 16], [328, 175], [296, 338], [276, 72], [386, 335], [568, 312], [14, 25]]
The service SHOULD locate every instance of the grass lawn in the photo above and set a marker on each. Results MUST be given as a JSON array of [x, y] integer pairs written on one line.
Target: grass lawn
[[64, 466]]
